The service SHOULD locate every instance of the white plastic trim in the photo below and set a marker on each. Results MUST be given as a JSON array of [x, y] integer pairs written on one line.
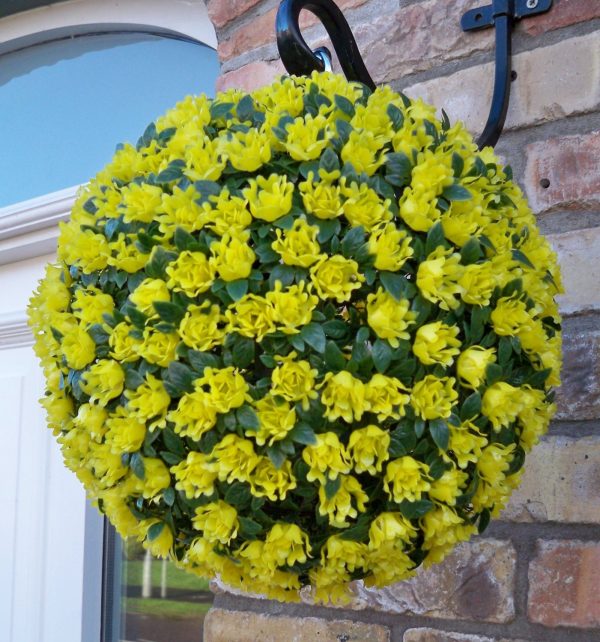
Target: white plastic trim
[[14, 331], [184, 17]]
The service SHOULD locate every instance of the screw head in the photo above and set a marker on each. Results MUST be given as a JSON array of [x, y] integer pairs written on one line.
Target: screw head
[[532, 4]]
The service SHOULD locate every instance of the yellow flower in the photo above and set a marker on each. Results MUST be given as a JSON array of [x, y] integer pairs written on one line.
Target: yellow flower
[[478, 283], [123, 345], [386, 397], [448, 487], [218, 522], [235, 458], [472, 364], [294, 380], [124, 255], [227, 388], [180, 209], [78, 348], [501, 404], [227, 213], [389, 527], [495, 460], [466, 443], [390, 247], [275, 420], [340, 507], [286, 544], [160, 545], [252, 316], [363, 151], [149, 401], [232, 256], [156, 477], [327, 458], [141, 202], [307, 137], [298, 246], [293, 307], [195, 414], [406, 478], [344, 554], [86, 249], [336, 277], [343, 396], [511, 317], [363, 206], [438, 278], [158, 347], [103, 381], [433, 398], [437, 343], [269, 198], [199, 329], [368, 449], [246, 151], [432, 173], [195, 475], [270, 482], [192, 273], [203, 160], [388, 317], [91, 304], [322, 199], [93, 419], [147, 293], [125, 432], [418, 210]]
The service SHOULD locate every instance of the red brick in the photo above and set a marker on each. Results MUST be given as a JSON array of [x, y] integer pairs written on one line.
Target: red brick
[[223, 11], [563, 584], [564, 172], [261, 31], [433, 635], [562, 14], [250, 76]]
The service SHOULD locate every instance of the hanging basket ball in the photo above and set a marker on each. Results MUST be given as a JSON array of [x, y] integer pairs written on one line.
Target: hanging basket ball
[[300, 337]]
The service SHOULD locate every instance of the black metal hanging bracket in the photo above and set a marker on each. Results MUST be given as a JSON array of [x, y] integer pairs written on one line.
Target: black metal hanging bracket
[[502, 15]]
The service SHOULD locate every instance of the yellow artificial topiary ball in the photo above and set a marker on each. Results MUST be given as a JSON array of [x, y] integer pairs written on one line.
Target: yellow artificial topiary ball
[[300, 337]]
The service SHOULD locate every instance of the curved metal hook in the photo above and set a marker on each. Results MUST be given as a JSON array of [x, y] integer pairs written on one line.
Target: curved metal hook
[[297, 56]]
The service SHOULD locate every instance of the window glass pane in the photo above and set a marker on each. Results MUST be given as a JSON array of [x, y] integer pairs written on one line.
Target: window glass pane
[[64, 105]]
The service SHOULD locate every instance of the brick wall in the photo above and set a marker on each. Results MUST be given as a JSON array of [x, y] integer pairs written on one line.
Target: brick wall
[[533, 577]]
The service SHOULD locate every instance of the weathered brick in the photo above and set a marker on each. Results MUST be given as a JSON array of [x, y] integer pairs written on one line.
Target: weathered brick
[[250, 76], [475, 582], [561, 483], [541, 93], [565, 172], [434, 635], [563, 14], [563, 584], [240, 626], [223, 11], [261, 31], [578, 397], [578, 254]]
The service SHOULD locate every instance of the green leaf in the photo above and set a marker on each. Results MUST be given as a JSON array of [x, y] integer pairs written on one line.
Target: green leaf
[[414, 510], [344, 105], [237, 289], [248, 527], [435, 238], [352, 241], [98, 334], [381, 353], [169, 312], [396, 116], [238, 495], [398, 169], [504, 350], [276, 456], [471, 251], [484, 520], [456, 192], [314, 335], [403, 439], [335, 329], [327, 229], [220, 110], [247, 418], [329, 161], [136, 463], [200, 360], [133, 379], [283, 273], [172, 172], [178, 379], [334, 357], [154, 531], [438, 428], [184, 240], [245, 108], [471, 407], [394, 284], [169, 496], [359, 532], [458, 165], [147, 137], [332, 486], [522, 258], [302, 433], [493, 373], [243, 352], [156, 267], [173, 442]]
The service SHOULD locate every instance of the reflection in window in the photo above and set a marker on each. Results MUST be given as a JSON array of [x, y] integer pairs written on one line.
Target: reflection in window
[[154, 601], [65, 104]]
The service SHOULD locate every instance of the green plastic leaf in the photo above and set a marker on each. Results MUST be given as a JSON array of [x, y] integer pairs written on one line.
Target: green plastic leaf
[[396, 116], [238, 495], [344, 105], [435, 238], [247, 418], [172, 172], [243, 352], [237, 289], [136, 463], [471, 407], [381, 353], [314, 335], [249, 528], [471, 251], [414, 510], [438, 428], [276, 456], [334, 357], [302, 433], [169, 312], [394, 284], [200, 360], [456, 192], [169, 496], [154, 531], [332, 486]]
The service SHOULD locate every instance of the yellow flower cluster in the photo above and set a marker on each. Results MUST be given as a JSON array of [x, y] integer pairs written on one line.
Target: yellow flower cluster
[[300, 337]]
